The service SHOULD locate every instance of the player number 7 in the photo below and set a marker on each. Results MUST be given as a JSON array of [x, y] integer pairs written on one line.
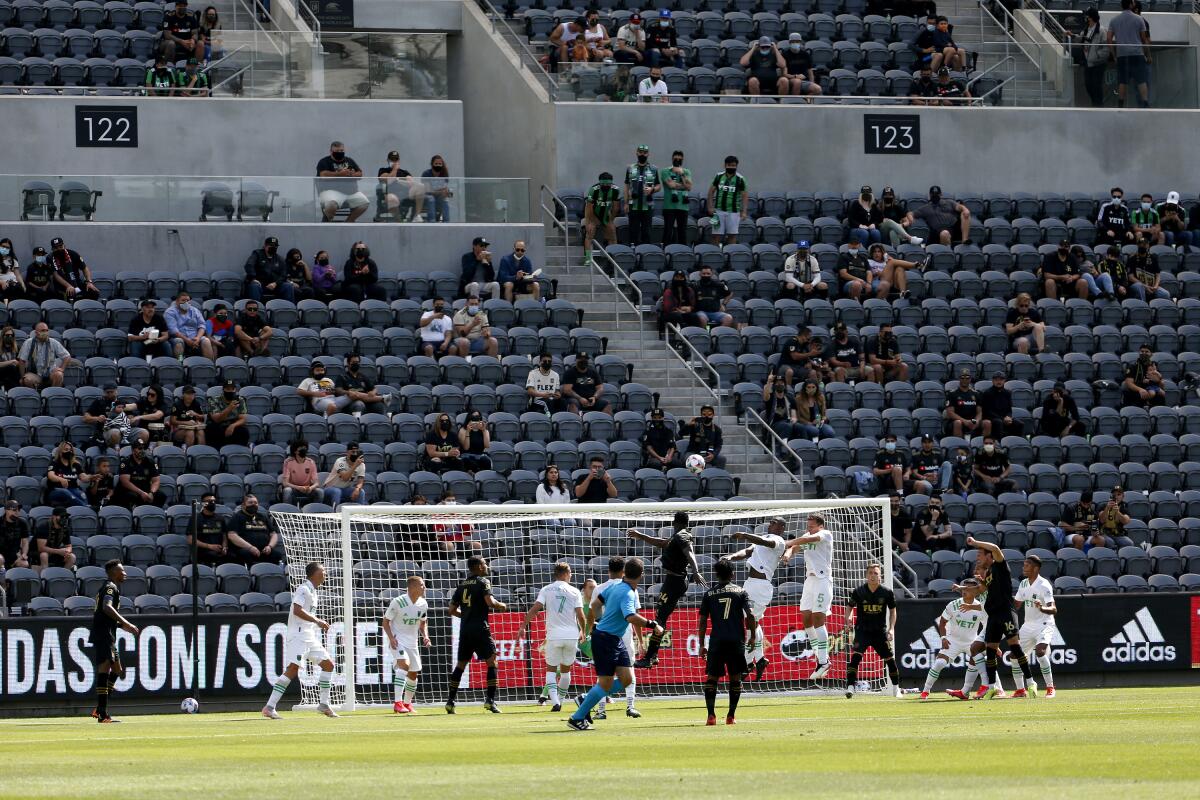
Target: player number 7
[[726, 602]]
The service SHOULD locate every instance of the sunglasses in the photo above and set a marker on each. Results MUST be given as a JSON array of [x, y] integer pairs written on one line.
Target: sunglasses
[[518, 249]]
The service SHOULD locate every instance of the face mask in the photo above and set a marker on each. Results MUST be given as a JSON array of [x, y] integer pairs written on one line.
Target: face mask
[[866, 198], [211, 505], [339, 156], [360, 252], [222, 316], [445, 423], [271, 249], [302, 452], [890, 447], [439, 309], [643, 159], [547, 364], [1145, 206], [1116, 199], [664, 23], [708, 420], [677, 162], [252, 508], [766, 51], [1062, 251], [731, 170], [795, 47], [706, 279], [636, 26], [40, 259], [230, 395], [592, 23], [930, 27], [989, 448], [43, 335], [472, 310], [935, 197], [352, 366], [962, 459], [324, 262], [4, 251]]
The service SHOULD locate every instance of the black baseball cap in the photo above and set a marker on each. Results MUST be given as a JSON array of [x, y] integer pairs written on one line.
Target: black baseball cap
[[1064, 243], [60, 511], [926, 438], [39, 251], [656, 413], [57, 242], [865, 189], [997, 375], [271, 240], [109, 387], [231, 384], [479, 241], [13, 505], [188, 389], [935, 189], [393, 155], [148, 302], [582, 356], [888, 192]]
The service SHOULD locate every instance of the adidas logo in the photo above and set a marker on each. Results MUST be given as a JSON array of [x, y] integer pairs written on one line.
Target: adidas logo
[[922, 651], [1139, 640]]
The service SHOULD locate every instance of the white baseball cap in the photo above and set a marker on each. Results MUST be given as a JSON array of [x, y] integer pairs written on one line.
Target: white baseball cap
[[1172, 197]]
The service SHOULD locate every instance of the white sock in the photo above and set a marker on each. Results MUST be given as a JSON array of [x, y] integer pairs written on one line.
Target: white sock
[[564, 684], [822, 644], [552, 686], [757, 647], [975, 669], [939, 664], [603, 702], [1018, 676], [397, 686], [410, 689], [324, 684], [631, 691], [1047, 672], [278, 689]]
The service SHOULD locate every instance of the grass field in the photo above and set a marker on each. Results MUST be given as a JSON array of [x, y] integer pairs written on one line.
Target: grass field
[[1086, 744]]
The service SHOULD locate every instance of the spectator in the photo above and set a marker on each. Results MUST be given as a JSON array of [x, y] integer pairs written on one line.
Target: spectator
[[319, 389], [553, 491], [43, 359], [1079, 525], [253, 538], [151, 414], [712, 294], [14, 537], [437, 190], [963, 473], [517, 275], [902, 525], [766, 69], [924, 90], [1113, 224], [996, 405], [948, 220], [437, 331], [148, 334], [778, 411], [478, 276], [854, 271], [1087, 270], [108, 414], [139, 480], [641, 185], [210, 532], [596, 36], [946, 53], [473, 331], [361, 393], [801, 277], [1095, 56], [562, 38], [630, 44], [54, 545], [678, 304], [964, 415], [1145, 274], [442, 452], [298, 276], [889, 272], [583, 389], [597, 486], [326, 286], [64, 477], [1129, 37], [103, 485], [890, 468], [191, 82], [474, 439], [340, 185], [1112, 519], [884, 355], [929, 466], [1061, 274], [188, 329], [219, 330], [12, 284], [405, 194], [160, 79], [845, 357], [931, 528], [653, 89], [992, 469], [864, 218], [39, 278], [1112, 273], [227, 418], [1173, 215], [923, 44], [1143, 384], [600, 209], [951, 91], [299, 479], [542, 387], [252, 333], [11, 369], [72, 276], [211, 30], [799, 68], [360, 276], [346, 480], [451, 534], [1147, 225], [812, 421], [896, 221], [1060, 414], [188, 418], [800, 358], [705, 437], [182, 36], [676, 183], [1023, 323], [662, 42], [727, 198], [658, 443]]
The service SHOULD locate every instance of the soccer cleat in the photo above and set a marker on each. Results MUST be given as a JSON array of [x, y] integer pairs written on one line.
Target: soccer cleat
[[988, 693], [601, 714], [760, 667], [730, 721], [397, 707], [821, 671], [897, 691], [924, 695], [712, 720], [543, 700], [106, 720], [578, 724], [408, 709], [633, 712], [578, 700], [1031, 688], [270, 713], [646, 663], [1000, 693], [1049, 692], [491, 706], [957, 694], [557, 707], [450, 707], [1020, 694], [327, 711], [983, 689], [95, 714]]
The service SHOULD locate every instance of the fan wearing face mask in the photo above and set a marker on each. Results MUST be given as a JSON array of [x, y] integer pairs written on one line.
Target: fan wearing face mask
[[542, 386], [766, 69], [992, 469], [799, 68], [339, 185], [299, 477], [948, 220], [662, 42], [210, 532], [442, 451], [1145, 274], [473, 330], [360, 276], [253, 538], [1113, 224]]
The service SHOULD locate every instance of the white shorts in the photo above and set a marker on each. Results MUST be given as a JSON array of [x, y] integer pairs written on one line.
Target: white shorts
[[1033, 635], [958, 647], [630, 644], [760, 591], [561, 652], [354, 200], [818, 595], [298, 648], [408, 651], [728, 223]]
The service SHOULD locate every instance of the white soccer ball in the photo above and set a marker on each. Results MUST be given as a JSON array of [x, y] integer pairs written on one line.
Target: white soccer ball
[[189, 705], [695, 463]]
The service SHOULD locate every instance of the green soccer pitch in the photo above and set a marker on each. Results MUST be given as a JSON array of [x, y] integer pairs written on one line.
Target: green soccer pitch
[[1126, 743]]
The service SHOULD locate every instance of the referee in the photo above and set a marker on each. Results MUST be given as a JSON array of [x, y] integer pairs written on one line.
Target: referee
[[874, 609], [728, 605], [676, 557]]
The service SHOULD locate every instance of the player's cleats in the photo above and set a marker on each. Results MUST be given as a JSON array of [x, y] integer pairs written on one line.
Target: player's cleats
[[646, 663], [578, 724], [491, 706], [450, 707], [957, 694], [983, 689], [270, 713], [543, 700], [397, 707], [850, 692], [730, 721], [988, 693], [1031, 688], [821, 671], [601, 714], [106, 720], [95, 714], [327, 711], [760, 667], [1049, 692], [712, 719], [630, 711], [556, 708], [924, 695], [897, 691], [1019, 694]]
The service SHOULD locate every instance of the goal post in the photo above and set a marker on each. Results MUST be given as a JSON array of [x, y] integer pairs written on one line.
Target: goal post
[[369, 552]]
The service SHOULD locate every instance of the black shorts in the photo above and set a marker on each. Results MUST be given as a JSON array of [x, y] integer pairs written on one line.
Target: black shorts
[[1000, 627], [104, 645], [673, 589], [477, 643], [873, 639], [726, 658], [608, 653]]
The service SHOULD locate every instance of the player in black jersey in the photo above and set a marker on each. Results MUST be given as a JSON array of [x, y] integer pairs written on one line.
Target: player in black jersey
[[874, 608], [1001, 618], [676, 557], [471, 603], [728, 605], [105, 621]]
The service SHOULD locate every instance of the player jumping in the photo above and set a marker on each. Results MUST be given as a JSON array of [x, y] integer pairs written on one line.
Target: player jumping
[[1002, 620], [1039, 627], [405, 618], [471, 603], [616, 573], [302, 643], [105, 621], [765, 553], [616, 608], [977, 656], [817, 599], [729, 606], [565, 625], [958, 625], [874, 608], [676, 557]]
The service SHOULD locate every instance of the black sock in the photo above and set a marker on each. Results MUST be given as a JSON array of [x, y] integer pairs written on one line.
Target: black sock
[[710, 695], [103, 685], [455, 678], [735, 694], [852, 669], [992, 662], [652, 648], [893, 671], [1015, 652], [493, 678]]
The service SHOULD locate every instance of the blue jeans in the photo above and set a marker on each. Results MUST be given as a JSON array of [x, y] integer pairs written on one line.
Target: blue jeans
[[283, 290], [335, 495], [804, 430], [1098, 284], [67, 497], [437, 208], [1183, 238], [866, 236], [656, 59], [139, 349], [945, 474], [1142, 291]]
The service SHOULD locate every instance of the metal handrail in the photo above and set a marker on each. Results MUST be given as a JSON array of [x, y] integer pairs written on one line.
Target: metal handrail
[[552, 213], [531, 60], [797, 479], [825, 99], [995, 66], [997, 88], [620, 294], [1011, 39], [237, 74]]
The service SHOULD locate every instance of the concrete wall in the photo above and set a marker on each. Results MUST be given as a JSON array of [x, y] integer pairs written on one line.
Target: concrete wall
[[112, 247], [409, 15], [231, 137], [820, 148]]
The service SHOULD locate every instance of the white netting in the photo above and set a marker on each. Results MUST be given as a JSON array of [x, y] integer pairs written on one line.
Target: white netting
[[387, 544]]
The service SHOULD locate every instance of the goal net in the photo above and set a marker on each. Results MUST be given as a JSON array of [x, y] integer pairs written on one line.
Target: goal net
[[369, 552]]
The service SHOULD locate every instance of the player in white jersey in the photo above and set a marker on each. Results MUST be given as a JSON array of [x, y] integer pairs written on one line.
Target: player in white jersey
[[616, 574], [303, 642], [764, 555], [406, 620], [1037, 595], [817, 599], [958, 625], [565, 623], [977, 655]]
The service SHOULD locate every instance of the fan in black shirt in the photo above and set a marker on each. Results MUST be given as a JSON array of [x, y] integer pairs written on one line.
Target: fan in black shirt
[[105, 621], [677, 557], [963, 415], [728, 606], [996, 403], [874, 609], [1002, 618], [471, 603]]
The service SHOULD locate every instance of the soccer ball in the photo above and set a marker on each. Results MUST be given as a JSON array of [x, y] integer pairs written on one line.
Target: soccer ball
[[695, 463], [189, 705]]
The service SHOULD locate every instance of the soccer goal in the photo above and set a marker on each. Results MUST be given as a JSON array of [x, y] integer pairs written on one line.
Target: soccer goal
[[370, 551]]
